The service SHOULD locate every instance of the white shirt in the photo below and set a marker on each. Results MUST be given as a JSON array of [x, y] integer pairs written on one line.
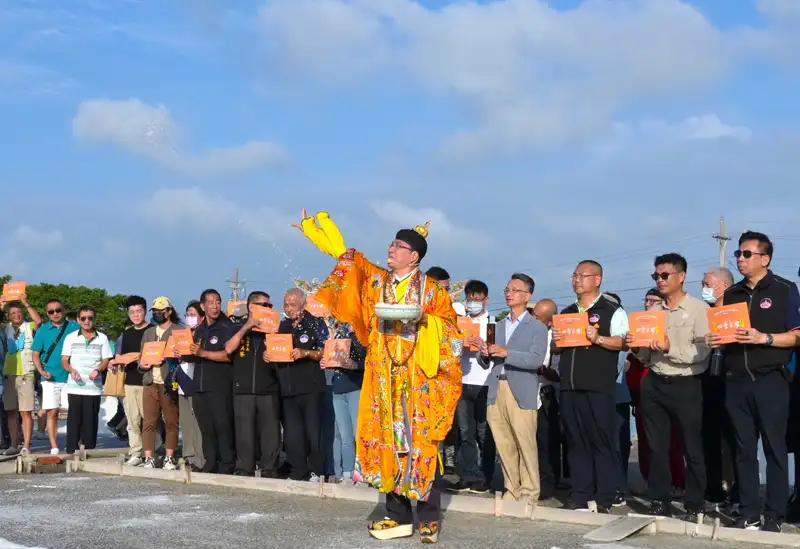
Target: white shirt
[[543, 381], [86, 356], [511, 327], [473, 373]]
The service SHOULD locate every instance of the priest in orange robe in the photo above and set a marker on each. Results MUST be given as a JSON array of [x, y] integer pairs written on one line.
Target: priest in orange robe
[[412, 380]]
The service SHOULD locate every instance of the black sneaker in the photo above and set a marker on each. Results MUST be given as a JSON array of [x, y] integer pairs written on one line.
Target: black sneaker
[[748, 523], [771, 524], [692, 514], [478, 487], [619, 500], [547, 493], [459, 486], [603, 510], [659, 509], [575, 506]]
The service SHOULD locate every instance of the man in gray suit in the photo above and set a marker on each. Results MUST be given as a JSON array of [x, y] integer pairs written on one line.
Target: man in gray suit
[[515, 358]]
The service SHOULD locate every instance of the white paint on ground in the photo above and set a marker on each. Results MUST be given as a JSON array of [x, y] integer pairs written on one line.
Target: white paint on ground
[[252, 517], [158, 499], [14, 490], [5, 544]]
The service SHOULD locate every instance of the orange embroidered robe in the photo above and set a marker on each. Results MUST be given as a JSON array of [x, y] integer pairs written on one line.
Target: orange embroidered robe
[[404, 415]]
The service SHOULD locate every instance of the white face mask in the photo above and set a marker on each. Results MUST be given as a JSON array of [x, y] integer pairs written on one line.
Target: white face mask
[[708, 296], [474, 308], [191, 321]]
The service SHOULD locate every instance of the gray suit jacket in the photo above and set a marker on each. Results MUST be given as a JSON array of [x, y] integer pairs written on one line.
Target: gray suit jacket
[[526, 352]]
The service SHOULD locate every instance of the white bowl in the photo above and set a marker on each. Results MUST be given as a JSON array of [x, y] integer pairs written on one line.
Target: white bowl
[[387, 311]]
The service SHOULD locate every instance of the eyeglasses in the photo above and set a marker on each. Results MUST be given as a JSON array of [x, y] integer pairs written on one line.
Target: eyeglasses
[[580, 276], [662, 276], [747, 254], [396, 244], [267, 305], [54, 311], [87, 319], [514, 291]]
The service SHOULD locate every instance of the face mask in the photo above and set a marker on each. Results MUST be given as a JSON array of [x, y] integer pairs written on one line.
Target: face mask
[[191, 321], [159, 317], [708, 296], [474, 308]]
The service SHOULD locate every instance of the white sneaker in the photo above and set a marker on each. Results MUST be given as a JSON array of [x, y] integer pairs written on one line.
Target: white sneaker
[[54, 451], [134, 461], [169, 464], [24, 451], [149, 463], [314, 479]]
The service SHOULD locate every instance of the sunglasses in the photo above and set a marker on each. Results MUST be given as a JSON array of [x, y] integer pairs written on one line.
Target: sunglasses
[[55, 311], [267, 305], [662, 276], [747, 254], [87, 319]]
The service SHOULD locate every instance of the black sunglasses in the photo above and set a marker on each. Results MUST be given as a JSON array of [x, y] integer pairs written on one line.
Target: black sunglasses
[[662, 276], [267, 305], [54, 311], [747, 254], [86, 318]]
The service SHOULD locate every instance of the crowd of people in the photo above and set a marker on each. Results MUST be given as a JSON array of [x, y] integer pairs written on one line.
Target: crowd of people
[[524, 415]]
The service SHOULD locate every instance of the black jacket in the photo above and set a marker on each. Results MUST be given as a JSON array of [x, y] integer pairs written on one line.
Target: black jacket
[[210, 375], [774, 306], [251, 374], [591, 368], [303, 376]]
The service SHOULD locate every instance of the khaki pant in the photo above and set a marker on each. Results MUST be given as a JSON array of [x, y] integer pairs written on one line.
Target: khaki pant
[[134, 410], [20, 393], [514, 432]]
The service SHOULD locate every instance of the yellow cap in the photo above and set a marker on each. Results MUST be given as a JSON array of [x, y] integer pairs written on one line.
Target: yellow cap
[[161, 303]]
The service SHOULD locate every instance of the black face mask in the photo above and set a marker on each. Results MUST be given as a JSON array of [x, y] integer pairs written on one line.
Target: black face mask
[[160, 317]]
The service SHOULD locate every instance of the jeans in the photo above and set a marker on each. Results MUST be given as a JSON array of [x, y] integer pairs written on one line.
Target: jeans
[[332, 438], [5, 437], [345, 407]]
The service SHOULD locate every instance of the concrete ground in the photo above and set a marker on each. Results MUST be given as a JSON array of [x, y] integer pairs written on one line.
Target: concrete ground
[[93, 512]]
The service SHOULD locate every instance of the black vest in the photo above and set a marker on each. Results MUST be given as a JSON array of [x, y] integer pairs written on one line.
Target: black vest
[[591, 368]]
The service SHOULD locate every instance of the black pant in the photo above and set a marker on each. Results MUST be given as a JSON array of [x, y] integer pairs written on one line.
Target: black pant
[[760, 407], [679, 401], [116, 421], [214, 412], [5, 437], [716, 428], [303, 434], [590, 423], [476, 448], [258, 426], [548, 440], [82, 419], [624, 421], [398, 508]]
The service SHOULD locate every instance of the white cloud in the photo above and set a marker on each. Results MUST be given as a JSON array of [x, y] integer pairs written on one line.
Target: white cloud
[[532, 76], [26, 237], [442, 230], [150, 132], [193, 210]]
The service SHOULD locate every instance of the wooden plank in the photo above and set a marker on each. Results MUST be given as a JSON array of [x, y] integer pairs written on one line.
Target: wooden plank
[[619, 529]]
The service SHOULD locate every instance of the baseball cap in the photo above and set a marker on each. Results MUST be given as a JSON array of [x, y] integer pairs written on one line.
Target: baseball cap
[[161, 303]]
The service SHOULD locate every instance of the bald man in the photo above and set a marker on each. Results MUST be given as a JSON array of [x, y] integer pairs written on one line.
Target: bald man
[[548, 429]]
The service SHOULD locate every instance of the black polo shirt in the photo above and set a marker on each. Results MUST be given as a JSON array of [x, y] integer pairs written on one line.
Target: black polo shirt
[[210, 375], [774, 306], [251, 374], [303, 376]]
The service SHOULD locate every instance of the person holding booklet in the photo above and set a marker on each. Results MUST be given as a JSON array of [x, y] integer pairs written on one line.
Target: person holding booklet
[[757, 386], [159, 397], [86, 354], [256, 392], [345, 362], [670, 339]]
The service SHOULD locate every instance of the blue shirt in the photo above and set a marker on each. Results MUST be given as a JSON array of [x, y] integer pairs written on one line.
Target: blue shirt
[[44, 338]]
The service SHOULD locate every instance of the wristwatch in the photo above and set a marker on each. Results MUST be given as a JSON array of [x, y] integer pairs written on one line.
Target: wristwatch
[[601, 340], [770, 340]]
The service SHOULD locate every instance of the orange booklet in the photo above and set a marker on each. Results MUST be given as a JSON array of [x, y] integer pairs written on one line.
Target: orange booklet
[[725, 320], [471, 328], [647, 327], [127, 358], [14, 290], [336, 353], [572, 328], [316, 308], [153, 353], [182, 341], [270, 319], [233, 304], [279, 347]]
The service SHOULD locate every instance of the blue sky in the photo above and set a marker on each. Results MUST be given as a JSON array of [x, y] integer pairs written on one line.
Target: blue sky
[[153, 147]]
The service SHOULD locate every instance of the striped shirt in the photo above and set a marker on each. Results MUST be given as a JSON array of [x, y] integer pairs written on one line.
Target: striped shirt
[[86, 356]]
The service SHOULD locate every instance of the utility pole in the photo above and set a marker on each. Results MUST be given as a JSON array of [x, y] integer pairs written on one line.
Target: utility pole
[[723, 238], [237, 286]]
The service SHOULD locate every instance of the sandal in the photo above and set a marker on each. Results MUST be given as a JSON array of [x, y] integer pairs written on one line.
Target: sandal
[[387, 529], [429, 532]]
